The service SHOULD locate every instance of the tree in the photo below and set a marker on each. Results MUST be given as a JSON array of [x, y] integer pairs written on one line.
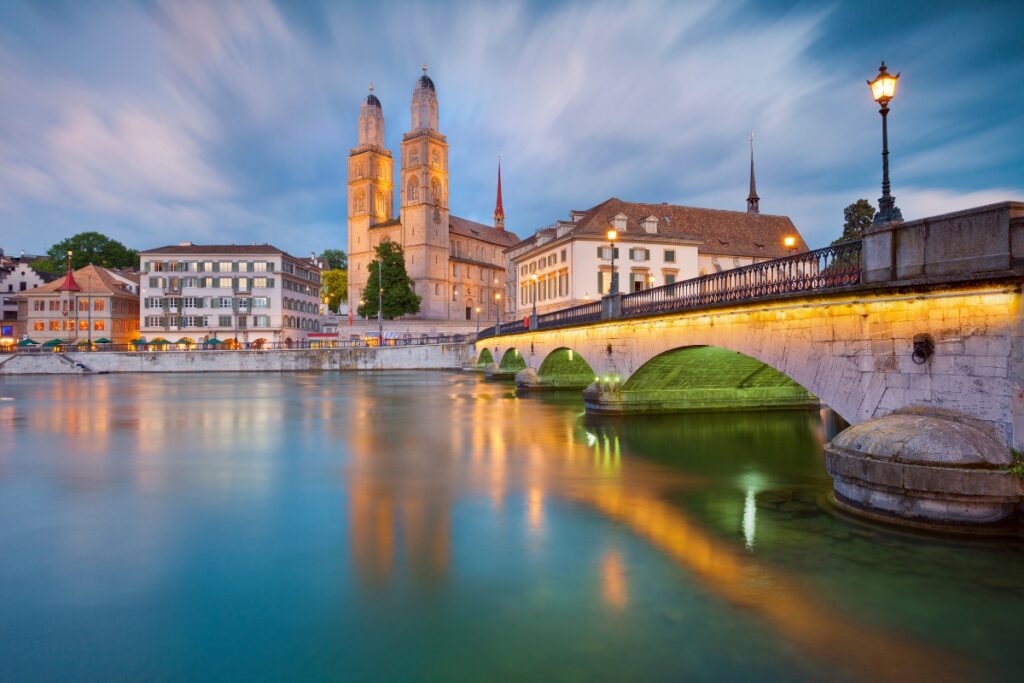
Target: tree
[[858, 217], [336, 259], [335, 287], [86, 248], [398, 296]]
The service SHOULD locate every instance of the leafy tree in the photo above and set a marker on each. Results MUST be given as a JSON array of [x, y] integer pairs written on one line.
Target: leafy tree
[[858, 216], [336, 259], [398, 296], [86, 248], [335, 287]]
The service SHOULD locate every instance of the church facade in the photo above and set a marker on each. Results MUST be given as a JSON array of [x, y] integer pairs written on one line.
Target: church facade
[[457, 266]]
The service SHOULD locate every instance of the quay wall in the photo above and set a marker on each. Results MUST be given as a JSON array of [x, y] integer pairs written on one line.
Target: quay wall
[[432, 357]]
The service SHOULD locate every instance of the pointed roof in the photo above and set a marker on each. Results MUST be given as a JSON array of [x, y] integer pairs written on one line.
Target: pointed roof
[[97, 280], [68, 284], [499, 209], [752, 198]]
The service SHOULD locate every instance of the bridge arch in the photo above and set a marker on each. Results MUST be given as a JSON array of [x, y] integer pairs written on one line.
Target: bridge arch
[[562, 368], [512, 361], [701, 379], [485, 357]]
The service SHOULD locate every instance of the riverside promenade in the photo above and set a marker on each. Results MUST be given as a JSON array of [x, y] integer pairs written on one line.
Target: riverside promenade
[[441, 356]]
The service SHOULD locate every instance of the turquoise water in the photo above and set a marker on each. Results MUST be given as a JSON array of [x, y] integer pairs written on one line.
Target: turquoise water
[[432, 526]]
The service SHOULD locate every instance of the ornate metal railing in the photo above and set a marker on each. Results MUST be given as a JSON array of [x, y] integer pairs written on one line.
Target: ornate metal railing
[[821, 269], [836, 266], [576, 315]]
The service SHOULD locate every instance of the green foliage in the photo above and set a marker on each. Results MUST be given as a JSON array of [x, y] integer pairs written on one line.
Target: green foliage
[[335, 287], [857, 217], [336, 259], [398, 297], [1017, 465], [86, 248]]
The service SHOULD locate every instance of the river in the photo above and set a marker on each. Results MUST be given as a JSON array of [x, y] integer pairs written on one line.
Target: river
[[434, 526]]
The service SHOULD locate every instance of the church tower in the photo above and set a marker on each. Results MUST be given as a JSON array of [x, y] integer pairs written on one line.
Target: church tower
[[370, 192], [424, 202], [753, 201]]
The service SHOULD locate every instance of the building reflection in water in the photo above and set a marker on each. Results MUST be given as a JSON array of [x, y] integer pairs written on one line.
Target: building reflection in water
[[613, 580]]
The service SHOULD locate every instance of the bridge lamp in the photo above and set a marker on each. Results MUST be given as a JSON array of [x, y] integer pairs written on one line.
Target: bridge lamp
[[613, 288], [789, 242], [883, 89]]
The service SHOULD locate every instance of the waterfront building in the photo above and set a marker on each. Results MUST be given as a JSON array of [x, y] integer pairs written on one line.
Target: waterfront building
[[246, 293], [456, 265], [90, 303], [16, 275]]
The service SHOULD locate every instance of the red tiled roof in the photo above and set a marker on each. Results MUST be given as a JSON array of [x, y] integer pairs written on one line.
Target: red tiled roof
[[730, 233], [91, 279], [487, 233]]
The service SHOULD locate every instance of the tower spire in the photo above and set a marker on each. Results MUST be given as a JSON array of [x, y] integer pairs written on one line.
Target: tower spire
[[499, 210], [752, 198]]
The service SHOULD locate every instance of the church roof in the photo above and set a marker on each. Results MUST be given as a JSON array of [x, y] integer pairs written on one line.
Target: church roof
[[487, 233], [425, 82], [730, 233], [372, 100]]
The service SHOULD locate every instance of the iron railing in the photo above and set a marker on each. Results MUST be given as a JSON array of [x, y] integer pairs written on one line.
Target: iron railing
[[231, 345], [576, 315], [821, 269], [836, 266]]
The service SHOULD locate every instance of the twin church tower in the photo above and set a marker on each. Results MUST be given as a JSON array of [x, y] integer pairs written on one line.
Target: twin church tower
[[456, 265]]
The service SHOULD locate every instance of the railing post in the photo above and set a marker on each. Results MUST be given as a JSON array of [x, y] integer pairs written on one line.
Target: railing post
[[611, 306]]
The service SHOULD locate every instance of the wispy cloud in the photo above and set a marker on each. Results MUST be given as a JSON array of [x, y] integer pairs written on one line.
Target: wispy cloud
[[230, 121]]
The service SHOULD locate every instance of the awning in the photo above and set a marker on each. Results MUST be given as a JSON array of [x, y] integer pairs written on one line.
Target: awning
[[160, 341], [212, 342], [103, 340], [138, 342], [54, 342], [28, 342], [186, 340]]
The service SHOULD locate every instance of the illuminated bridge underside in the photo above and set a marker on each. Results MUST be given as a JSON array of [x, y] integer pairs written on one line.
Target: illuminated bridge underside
[[512, 362], [562, 369], [853, 351], [699, 379]]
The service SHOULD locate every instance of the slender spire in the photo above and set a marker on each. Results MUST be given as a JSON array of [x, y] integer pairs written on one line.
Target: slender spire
[[499, 210], [69, 284], [752, 198]]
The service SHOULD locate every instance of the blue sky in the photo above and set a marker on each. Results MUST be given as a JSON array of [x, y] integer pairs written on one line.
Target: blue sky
[[222, 122]]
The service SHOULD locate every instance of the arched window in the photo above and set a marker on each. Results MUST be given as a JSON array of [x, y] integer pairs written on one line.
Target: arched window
[[414, 159], [437, 288], [435, 191], [435, 159], [414, 190], [360, 202], [380, 204]]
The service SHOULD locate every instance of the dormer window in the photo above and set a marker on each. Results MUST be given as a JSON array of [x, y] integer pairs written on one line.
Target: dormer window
[[619, 222], [650, 224]]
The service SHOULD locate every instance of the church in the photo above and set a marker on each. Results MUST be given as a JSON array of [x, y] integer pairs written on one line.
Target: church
[[457, 266]]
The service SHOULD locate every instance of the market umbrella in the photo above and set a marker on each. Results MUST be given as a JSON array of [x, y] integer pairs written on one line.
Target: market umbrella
[[53, 342], [186, 340], [103, 340], [138, 342], [28, 342], [82, 342], [159, 341]]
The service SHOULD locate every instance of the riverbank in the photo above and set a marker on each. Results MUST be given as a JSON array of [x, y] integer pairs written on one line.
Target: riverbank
[[425, 357]]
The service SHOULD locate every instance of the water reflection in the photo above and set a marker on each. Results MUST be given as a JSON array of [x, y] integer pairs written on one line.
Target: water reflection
[[434, 485]]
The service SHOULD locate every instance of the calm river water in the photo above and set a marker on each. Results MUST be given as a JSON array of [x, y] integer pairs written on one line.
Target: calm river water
[[432, 526]]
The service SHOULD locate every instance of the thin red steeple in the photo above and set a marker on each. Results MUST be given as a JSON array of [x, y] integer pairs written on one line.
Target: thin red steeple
[[69, 284], [499, 210]]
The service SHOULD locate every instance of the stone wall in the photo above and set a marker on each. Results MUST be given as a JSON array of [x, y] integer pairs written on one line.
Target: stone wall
[[433, 357]]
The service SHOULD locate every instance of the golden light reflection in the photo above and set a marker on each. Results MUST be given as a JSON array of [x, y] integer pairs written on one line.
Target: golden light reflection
[[613, 580], [536, 509]]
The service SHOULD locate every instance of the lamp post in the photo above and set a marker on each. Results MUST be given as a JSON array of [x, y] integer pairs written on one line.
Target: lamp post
[[478, 321], [650, 281], [789, 242], [613, 288], [883, 89], [380, 302], [533, 318], [497, 302]]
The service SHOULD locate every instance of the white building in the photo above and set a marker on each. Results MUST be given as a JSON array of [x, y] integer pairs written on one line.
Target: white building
[[570, 263], [16, 275], [236, 292]]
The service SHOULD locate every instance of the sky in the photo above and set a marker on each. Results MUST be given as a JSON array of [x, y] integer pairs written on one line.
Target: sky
[[230, 122]]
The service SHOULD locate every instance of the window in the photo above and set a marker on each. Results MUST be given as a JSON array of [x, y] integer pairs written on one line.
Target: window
[[437, 288], [261, 267], [670, 256], [261, 321], [98, 325], [533, 267], [380, 204], [639, 254], [563, 283], [38, 326], [224, 321], [670, 278], [242, 320], [435, 191], [563, 256], [54, 325], [413, 191], [38, 305], [224, 282], [606, 252], [263, 282], [243, 304], [260, 302], [360, 202]]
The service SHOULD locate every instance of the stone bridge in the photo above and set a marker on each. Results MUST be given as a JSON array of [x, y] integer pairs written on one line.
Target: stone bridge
[[915, 336]]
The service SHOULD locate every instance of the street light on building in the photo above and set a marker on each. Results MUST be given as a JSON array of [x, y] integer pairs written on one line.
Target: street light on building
[[497, 302], [883, 89], [478, 321], [613, 288], [789, 242], [533, 318]]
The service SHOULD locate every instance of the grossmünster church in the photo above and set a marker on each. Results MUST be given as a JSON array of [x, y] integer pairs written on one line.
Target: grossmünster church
[[456, 265]]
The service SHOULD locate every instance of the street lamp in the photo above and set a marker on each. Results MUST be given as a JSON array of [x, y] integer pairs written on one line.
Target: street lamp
[[533, 318], [650, 281], [497, 302], [614, 286], [380, 302], [478, 321], [883, 89], [789, 242]]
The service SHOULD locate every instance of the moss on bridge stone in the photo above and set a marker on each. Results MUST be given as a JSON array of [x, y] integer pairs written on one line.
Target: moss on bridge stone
[[485, 357], [702, 378], [561, 369]]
